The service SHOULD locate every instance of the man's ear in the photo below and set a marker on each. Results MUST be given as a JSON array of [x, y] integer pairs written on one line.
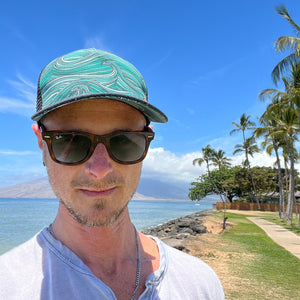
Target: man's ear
[[37, 131]]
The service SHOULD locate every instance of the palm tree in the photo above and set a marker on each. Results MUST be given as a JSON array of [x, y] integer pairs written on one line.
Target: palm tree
[[291, 95], [245, 124], [286, 42], [288, 125], [270, 143], [248, 145], [287, 106], [220, 160], [207, 158]]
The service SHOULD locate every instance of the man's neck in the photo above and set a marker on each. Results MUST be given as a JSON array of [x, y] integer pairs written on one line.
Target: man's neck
[[96, 244], [110, 251]]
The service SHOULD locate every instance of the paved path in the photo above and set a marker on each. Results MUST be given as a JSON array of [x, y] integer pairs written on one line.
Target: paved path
[[283, 237]]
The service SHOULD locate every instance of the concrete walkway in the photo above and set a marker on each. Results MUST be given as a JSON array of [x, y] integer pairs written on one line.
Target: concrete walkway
[[283, 237]]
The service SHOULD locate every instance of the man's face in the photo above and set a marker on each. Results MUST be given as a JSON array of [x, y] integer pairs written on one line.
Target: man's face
[[96, 192]]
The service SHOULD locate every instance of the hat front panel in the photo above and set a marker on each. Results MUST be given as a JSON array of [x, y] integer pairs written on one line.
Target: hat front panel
[[87, 73]]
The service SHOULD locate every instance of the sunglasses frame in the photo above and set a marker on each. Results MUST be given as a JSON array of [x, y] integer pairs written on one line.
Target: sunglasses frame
[[95, 140]]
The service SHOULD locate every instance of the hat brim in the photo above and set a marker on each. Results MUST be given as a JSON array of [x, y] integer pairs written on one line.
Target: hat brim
[[150, 111]]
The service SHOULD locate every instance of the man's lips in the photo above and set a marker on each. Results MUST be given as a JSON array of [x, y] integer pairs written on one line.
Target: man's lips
[[97, 193]]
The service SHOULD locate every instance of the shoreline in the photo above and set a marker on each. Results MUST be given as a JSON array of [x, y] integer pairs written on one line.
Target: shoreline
[[150, 199], [177, 231]]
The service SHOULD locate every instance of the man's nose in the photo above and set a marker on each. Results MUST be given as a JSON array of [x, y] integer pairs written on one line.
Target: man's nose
[[99, 164]]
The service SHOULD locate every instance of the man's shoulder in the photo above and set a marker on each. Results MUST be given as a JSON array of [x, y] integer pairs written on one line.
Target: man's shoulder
[[179, 258], [21, 255], [20, 267]]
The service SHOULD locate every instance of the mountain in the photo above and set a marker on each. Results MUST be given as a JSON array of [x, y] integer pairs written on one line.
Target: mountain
[[149, 189], [39, 189], [163, 190]]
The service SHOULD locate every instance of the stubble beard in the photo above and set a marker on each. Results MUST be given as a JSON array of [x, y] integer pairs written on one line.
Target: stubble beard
[[99, 205], [98, 217], [94, 221]]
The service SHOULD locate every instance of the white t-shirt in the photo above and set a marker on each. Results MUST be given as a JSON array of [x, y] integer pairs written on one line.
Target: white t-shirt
[[43, 268]]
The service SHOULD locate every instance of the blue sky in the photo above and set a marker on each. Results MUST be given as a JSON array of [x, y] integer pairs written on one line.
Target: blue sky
[[204, 63]]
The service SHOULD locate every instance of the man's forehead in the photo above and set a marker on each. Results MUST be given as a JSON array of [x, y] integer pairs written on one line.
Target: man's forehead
[[95, 108]]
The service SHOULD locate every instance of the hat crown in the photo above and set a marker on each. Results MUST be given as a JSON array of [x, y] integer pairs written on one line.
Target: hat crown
[[88, 72], [92, 74]]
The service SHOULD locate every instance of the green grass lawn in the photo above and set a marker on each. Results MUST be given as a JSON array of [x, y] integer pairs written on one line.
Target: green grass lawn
[[294, 227], [270, 271]]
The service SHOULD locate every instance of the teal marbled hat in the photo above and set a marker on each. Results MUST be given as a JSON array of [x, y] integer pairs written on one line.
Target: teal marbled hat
[[91, 74]]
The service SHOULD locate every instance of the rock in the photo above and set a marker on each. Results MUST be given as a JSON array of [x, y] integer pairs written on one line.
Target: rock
[[174, 232]]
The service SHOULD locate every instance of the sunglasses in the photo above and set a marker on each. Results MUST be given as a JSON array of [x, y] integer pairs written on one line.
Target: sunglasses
[[74, 148]]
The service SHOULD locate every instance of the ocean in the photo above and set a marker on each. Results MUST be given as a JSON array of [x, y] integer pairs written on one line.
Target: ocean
[[20, 219]]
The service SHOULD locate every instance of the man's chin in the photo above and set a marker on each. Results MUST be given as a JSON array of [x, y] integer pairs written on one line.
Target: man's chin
[[99, 217]]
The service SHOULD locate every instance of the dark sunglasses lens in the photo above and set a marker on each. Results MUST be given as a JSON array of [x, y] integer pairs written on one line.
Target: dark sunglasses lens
[[128, 147], [70, 148]]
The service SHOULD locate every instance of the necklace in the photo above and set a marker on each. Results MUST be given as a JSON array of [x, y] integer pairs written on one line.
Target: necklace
[[138, 271]]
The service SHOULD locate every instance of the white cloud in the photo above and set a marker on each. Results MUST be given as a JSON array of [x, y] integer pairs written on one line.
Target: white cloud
[[169, 167], [24, 105], [24, 87], [16, 106], [18, 153]]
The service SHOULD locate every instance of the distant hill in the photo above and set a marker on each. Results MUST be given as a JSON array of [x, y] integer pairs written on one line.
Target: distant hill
[[39, 189], [163, 190], [149, 189]]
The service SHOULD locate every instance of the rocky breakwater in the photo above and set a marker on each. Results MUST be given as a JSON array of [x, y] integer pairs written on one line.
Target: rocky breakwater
[[176, 232]]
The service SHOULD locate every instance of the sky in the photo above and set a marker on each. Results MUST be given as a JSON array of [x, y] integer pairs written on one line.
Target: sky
[[204, 63]]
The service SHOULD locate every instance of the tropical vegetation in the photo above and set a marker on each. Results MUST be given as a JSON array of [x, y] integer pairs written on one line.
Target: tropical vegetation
[[277, 130]]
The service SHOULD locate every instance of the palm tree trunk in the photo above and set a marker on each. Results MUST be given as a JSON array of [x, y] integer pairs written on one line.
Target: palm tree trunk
[[286, 182], [291, 197], [254, 189], [253, 193], [280, 181]]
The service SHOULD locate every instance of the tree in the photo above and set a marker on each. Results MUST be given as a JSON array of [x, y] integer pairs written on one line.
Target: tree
[[291, 95], [248, 145], [286, 42], [219, 160], [207, 154], [236, 183], [288, 125], [285, 109], [272, 142], [206, 157], [204, 187], [245, 124]]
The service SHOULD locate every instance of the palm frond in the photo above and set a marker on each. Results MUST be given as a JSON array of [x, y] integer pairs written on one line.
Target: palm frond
[[283, 12], [271, 94], [287, 42], [198, 161], [284, 65]]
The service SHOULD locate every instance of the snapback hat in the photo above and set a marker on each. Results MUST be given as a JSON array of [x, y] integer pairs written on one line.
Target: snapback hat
[[92, 74]]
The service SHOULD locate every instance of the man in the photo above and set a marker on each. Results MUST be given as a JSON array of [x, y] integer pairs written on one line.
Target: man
[[93, 128]]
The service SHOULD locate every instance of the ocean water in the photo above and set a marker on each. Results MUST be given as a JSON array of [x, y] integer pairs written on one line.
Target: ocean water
[[20, 219]]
